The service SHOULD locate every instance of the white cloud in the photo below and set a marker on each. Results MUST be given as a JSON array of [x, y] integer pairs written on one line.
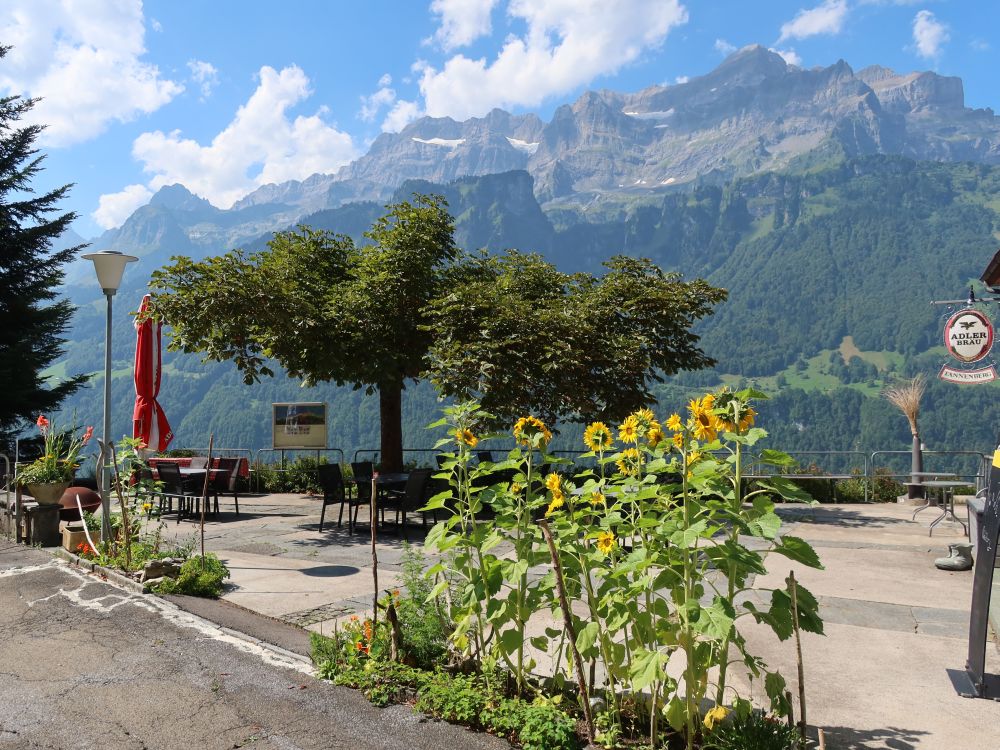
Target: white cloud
[[462, 21], [929, 34], [384, 97], [826, 18], [401, 115], [724, 48], [262, 144], [567, 43], [114, 208], [790, 56], [205, 75], [682, 79], [85, 62]]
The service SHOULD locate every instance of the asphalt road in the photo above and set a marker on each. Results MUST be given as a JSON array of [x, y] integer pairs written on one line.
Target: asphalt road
[[86, 665]]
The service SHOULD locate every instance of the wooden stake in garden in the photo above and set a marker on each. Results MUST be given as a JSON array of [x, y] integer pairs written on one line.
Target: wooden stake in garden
[[793, 591], [374, 552], [204, 495], [581, 680]]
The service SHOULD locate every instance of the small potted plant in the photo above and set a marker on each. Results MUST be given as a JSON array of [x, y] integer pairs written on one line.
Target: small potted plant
[[47, 477]]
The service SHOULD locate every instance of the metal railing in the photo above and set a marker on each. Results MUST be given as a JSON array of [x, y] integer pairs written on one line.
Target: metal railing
[[257, 465], [980, 461]]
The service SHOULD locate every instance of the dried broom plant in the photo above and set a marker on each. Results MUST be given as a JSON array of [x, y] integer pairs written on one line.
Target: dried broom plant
[[906, 397]]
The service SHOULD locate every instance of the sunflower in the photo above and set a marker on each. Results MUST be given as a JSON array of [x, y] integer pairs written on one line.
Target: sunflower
[[596, 498], [552, 482], [708, 401], [746, 421], [655, 435], [515, 488], [597, 437], [526, 428], [645, 418], [714, 716], [628, 462], [465, 437], [678, 439], [606, 542], [557, 502], [628, 431], [706, 426], [695, 407], [674, 423]]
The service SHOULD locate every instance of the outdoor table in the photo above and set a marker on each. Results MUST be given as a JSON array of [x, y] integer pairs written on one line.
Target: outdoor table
[[384, 481], [947, 490], [943, 475]]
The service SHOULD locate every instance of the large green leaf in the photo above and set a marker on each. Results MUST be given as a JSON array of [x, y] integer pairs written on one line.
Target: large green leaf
[[647, 668], [799, 550]]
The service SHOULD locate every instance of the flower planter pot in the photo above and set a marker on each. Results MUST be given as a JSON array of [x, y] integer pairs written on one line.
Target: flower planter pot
[[48, 493], [72, 538]]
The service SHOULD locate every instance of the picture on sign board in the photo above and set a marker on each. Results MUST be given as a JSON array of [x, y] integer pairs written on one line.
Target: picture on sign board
[[298, 425]]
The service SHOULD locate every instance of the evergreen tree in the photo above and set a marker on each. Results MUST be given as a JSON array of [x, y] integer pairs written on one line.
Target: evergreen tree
[[31, 322]]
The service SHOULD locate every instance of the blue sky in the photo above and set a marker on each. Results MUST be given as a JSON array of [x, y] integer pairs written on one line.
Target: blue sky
[[224, 96]]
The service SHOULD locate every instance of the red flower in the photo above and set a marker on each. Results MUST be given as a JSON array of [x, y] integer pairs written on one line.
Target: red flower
[[88, 435], [42, 423]]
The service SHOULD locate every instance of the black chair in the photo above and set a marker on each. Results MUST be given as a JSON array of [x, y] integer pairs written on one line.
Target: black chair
[[176, 485], [362, 471], [226, 481], [410, 499], [331, 480], [484, 457]]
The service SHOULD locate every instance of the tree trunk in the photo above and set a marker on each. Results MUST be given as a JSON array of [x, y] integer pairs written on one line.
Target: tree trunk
[[390, 403], [916, 465]]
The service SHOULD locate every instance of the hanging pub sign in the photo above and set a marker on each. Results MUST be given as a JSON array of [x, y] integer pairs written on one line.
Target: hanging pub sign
[[968, 335]]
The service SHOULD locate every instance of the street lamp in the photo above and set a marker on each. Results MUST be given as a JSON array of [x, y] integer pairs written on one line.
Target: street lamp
[[110, 265]]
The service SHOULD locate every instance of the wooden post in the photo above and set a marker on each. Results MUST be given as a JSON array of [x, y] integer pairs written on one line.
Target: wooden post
[[204, 495], [581, 680], [374, 509]]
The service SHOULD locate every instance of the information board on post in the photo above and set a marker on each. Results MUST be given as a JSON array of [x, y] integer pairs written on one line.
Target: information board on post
[[298, 425]]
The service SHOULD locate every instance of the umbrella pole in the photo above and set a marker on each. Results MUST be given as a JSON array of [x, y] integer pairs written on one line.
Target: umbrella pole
[[204, 496]]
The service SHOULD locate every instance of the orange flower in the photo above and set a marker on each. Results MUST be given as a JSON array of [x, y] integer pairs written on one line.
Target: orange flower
[[88, 434], [42, 423]]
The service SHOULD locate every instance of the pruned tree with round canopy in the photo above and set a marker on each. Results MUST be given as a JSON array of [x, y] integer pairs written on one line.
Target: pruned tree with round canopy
[[509, 329]]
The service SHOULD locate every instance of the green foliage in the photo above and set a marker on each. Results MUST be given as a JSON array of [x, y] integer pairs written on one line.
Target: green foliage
[[476, 702], [642, 535], [519, 335], [199, 576], [753, 731], [882, 488], [422, 618], [321, 306], [31, 272], [299, 475]]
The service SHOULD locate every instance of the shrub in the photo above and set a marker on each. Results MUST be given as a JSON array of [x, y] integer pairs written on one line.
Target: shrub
[[424, 629], [198, 577], [755, 731]]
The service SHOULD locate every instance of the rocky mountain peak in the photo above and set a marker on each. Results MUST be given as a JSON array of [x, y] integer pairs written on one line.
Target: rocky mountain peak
[[178, 198]]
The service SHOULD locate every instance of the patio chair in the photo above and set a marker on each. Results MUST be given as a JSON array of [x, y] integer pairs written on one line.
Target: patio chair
[[176, 485], [226, 481], [410, 499], [331, 480], [363, 484], [198, 462]]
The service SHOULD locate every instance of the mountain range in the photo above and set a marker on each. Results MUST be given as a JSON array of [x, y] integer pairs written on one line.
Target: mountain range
[[833, 205]]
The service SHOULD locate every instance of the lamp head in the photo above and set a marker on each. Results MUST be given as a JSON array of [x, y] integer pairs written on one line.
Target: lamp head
[[110, 266]]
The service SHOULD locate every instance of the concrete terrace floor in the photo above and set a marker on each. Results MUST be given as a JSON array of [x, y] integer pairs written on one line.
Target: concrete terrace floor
[[877, 678]]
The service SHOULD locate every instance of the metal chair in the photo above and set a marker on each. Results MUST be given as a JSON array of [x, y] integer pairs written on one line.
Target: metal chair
[[411, 498], [331, 480], [362, 471], [226, 480], [176, 485]]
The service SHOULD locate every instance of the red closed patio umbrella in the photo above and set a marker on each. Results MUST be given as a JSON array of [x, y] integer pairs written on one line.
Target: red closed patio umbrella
[[149, 423]]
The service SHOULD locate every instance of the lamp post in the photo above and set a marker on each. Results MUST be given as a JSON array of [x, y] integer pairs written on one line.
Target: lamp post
[[110, 265]]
